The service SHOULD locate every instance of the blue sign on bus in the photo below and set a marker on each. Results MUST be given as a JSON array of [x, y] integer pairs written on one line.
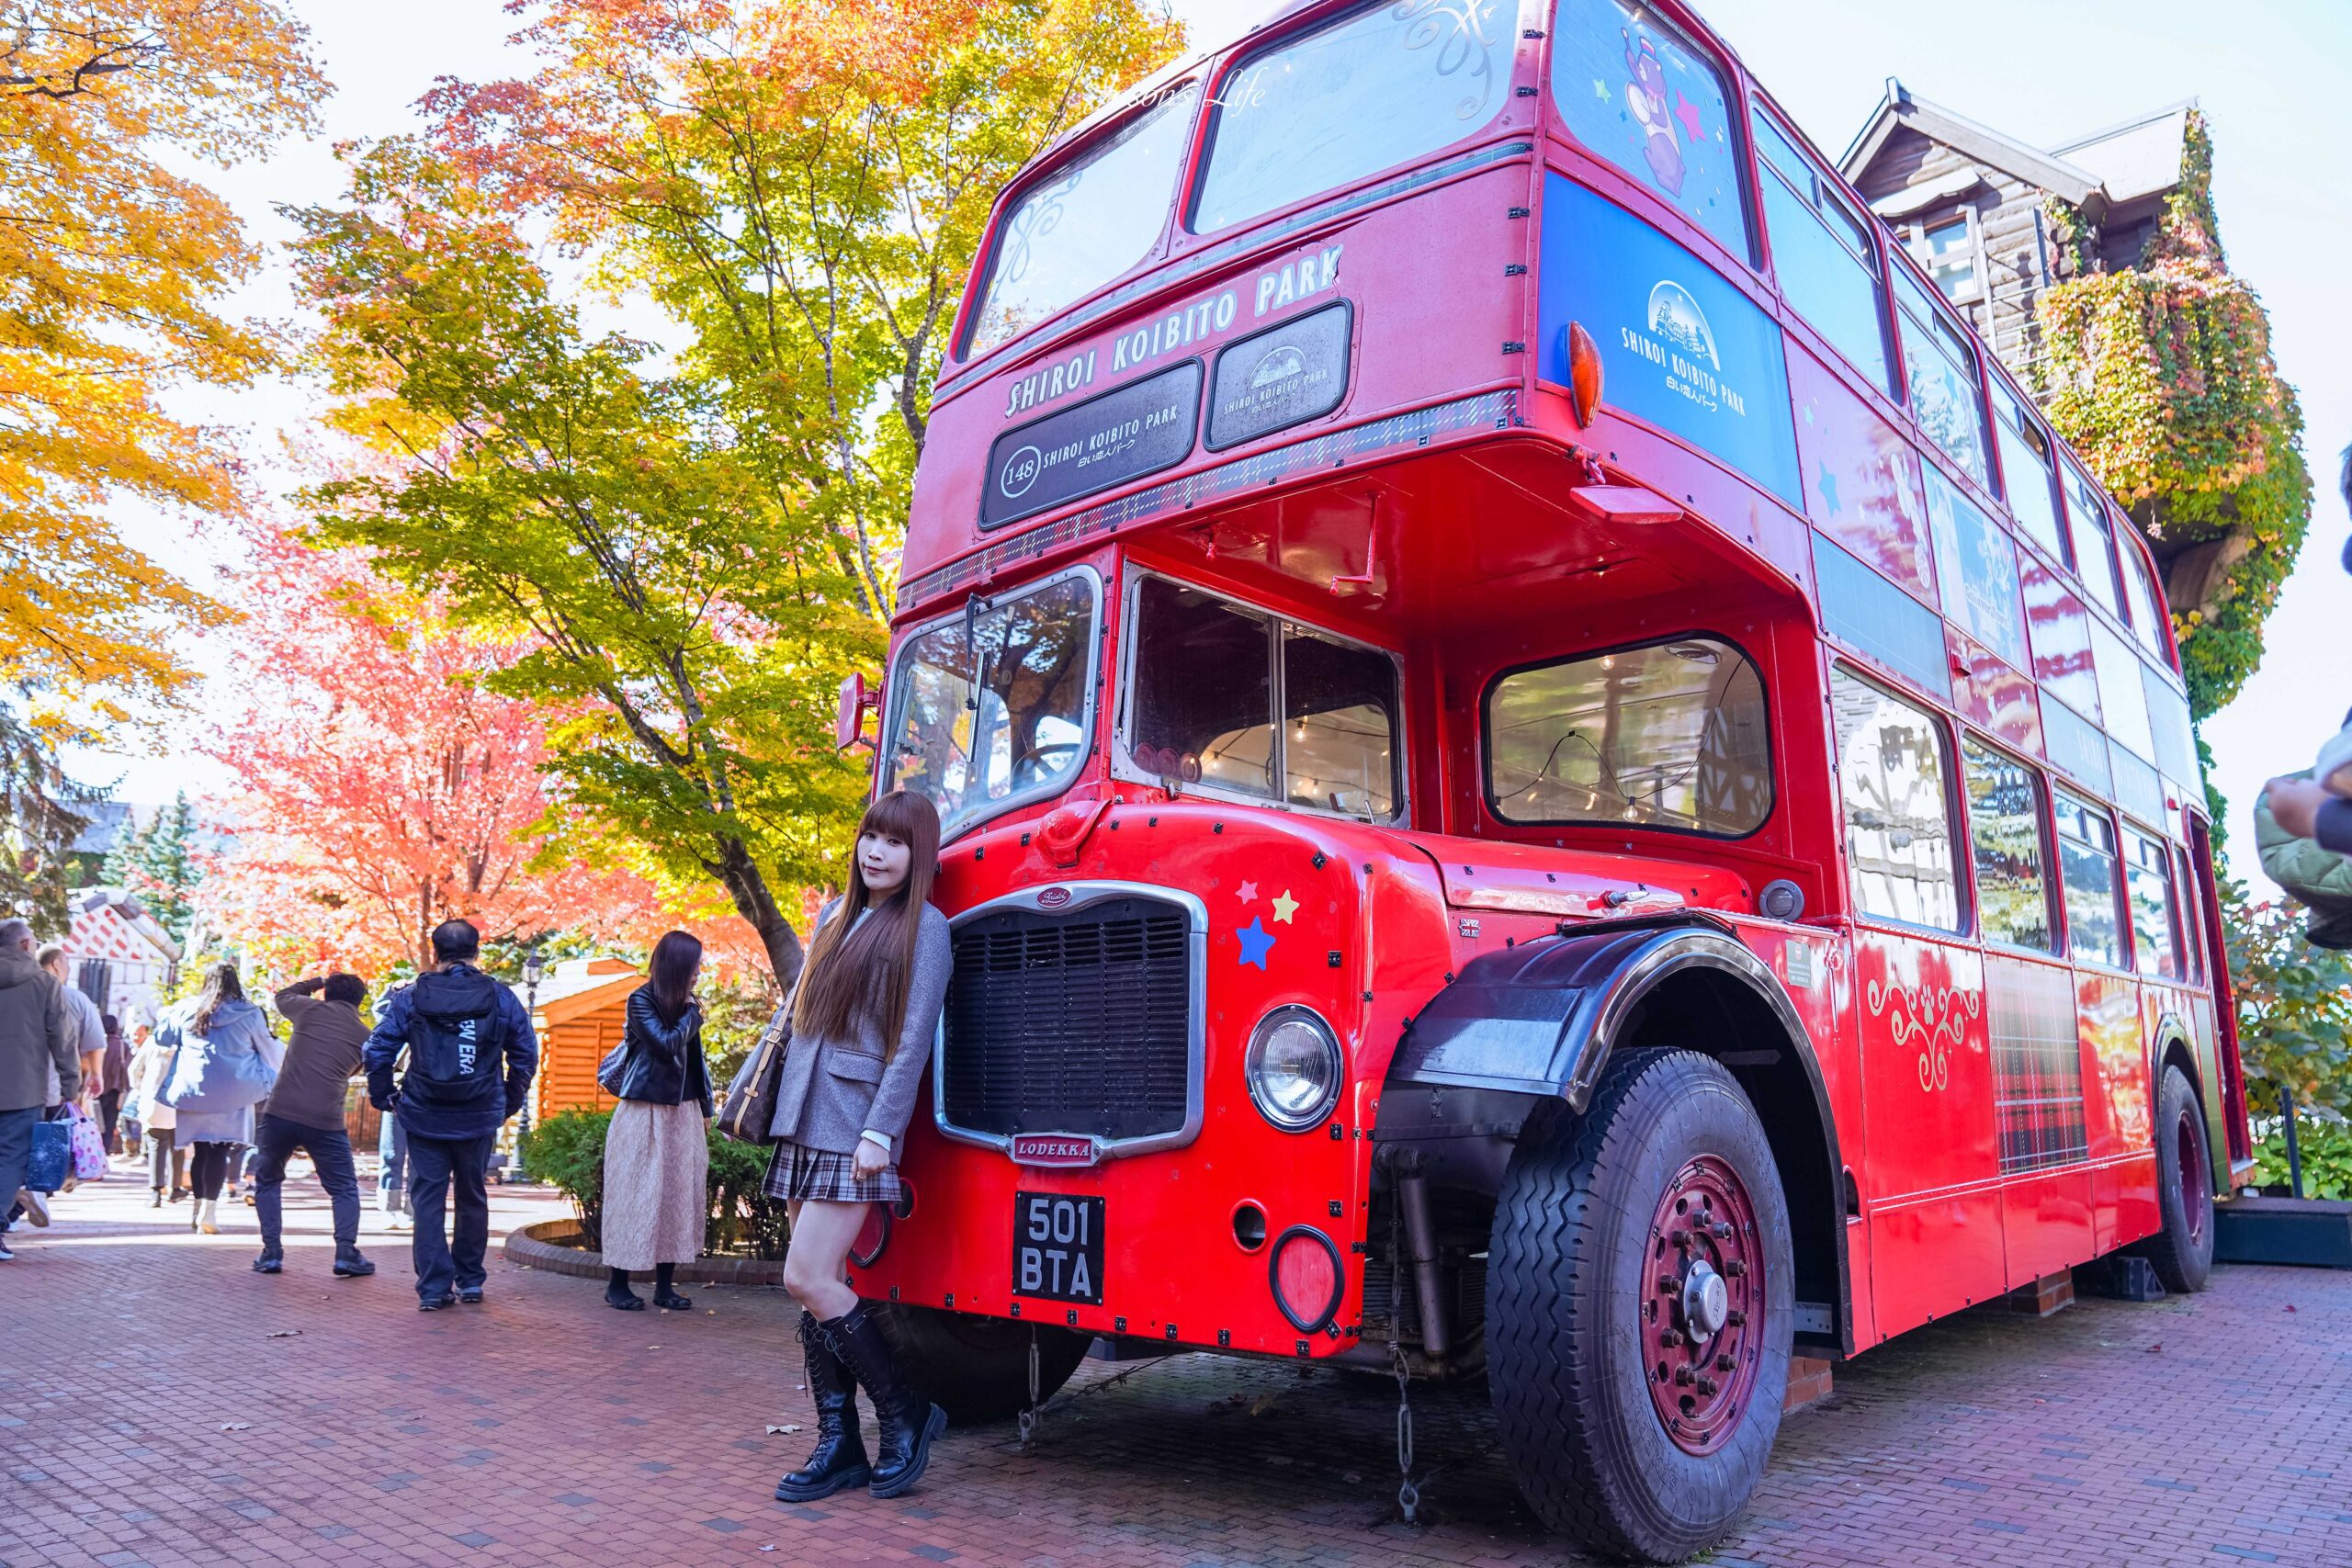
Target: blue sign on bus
[[1679, 346]]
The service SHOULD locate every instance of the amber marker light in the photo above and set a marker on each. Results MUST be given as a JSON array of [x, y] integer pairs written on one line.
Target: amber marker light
[[1584, 374]]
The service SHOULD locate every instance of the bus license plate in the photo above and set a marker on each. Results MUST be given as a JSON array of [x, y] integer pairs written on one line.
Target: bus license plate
[[1058, 1246]]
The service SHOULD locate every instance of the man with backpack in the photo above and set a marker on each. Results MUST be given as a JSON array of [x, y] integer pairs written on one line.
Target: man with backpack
[[471, 1057]]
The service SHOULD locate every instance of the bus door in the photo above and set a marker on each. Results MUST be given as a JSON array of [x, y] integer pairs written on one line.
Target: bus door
[[2226, 1090], [2037, 1108], [1930, 1178]]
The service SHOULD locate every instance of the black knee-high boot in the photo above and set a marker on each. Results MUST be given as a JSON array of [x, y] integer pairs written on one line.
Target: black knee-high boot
[[839, 1459], [908, 1421]]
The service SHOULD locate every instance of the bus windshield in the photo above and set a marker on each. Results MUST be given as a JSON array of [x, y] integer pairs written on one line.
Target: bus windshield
[[978, 734], [1089, 222]]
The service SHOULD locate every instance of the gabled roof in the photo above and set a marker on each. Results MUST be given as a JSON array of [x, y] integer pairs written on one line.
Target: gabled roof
[[2138, 158], [1898, 108], [578, 986]]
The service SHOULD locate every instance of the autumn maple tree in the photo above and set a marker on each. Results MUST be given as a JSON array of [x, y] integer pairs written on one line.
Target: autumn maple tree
[[115, 263], [696, 549], [381, 790]]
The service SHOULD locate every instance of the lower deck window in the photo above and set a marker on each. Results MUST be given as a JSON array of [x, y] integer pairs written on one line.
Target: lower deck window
[[1238, 699], [1668, 735], [2086, 866]]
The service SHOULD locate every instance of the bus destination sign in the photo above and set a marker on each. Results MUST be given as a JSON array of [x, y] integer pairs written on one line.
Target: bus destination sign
[[1280, 376], [1126, 433]]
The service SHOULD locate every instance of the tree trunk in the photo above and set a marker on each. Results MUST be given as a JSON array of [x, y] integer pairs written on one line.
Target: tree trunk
[[744, 882]]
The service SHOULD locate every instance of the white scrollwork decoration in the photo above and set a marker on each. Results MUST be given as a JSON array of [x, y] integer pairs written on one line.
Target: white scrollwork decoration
[[1457, 29], [1934, 1019]]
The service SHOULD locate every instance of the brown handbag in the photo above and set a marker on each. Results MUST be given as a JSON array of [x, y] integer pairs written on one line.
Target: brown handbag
[[749, 1109]]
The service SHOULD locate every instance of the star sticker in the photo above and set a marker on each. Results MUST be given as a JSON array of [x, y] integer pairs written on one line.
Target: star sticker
[[1284, 906], [1248, 891], [1600, 90], [1829, 490], [1689, 114], [1256, 942]]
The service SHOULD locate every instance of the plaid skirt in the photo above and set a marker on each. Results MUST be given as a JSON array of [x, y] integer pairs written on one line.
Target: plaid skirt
[[805, 1175]]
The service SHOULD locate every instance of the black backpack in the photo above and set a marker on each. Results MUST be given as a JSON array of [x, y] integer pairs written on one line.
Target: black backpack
[[456, 1040]]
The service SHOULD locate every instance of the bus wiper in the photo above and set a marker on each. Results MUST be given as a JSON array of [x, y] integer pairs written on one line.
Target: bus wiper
[[973, 604]]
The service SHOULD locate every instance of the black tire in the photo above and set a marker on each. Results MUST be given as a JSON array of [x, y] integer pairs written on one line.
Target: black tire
[[2183, 1251], [976, 1368], [1570, 1259]]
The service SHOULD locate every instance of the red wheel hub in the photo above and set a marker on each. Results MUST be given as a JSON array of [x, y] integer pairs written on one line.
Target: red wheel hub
[[1702, 1305], [2196, 1181]]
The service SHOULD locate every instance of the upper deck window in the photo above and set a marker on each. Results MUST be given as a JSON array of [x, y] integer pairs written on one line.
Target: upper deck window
[[1668, 735], [2025, 467], [1940, 366], [1228, 696], [2141, 589], [983, 725], [1822, 253], [1091, 220], [2086, 504], [1378, 87], [1632, 92]]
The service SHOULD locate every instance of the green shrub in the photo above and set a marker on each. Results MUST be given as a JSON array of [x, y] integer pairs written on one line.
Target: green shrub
[[2325, 1147], [567, 1151]]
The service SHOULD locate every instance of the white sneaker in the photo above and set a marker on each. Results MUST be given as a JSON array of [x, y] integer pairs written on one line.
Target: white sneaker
[[400, 1222], [36, 1205], [207, 1217]]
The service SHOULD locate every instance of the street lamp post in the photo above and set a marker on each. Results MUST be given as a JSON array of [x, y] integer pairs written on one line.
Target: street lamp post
[[534, 968]]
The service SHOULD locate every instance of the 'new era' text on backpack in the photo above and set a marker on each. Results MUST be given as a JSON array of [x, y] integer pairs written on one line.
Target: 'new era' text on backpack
[[456, 1040]]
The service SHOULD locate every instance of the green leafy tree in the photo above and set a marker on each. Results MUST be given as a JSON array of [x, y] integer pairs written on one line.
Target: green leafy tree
[[2294, 1008]]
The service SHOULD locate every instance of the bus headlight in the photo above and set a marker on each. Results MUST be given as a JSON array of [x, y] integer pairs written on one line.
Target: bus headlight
[[1294, 1067]]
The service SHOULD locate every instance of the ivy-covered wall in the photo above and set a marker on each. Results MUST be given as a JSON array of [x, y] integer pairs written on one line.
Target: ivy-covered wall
[[2162, 378]]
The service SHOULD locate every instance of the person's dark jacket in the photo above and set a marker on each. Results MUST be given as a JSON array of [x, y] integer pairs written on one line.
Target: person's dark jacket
[[34, 1036], [663, 1062], [421, 1119], [2333, 828]]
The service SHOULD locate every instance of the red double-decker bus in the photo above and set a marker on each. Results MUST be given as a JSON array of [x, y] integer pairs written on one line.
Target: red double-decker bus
[[1547, 769]]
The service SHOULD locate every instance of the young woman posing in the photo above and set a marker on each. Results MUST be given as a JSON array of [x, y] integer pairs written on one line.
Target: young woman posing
[[862, 1016]]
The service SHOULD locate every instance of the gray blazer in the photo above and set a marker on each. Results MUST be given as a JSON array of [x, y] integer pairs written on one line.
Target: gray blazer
[[832, 1090]]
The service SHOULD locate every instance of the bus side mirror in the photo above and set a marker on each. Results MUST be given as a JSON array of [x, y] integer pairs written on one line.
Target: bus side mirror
[[849, 719]]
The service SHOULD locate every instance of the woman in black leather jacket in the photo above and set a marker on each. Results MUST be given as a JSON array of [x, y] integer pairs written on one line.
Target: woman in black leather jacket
[[657, 1153]]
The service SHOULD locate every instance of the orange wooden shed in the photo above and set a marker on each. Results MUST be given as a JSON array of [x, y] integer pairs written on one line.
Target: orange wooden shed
[[578, 1017]]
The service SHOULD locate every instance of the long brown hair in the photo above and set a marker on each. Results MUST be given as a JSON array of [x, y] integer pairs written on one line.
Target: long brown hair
[[221, 984], [855, 971]]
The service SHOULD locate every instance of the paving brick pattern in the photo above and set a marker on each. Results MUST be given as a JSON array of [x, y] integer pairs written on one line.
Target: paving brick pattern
[[544, 1429]]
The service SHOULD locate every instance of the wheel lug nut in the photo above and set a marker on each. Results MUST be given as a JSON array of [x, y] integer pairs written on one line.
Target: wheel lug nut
[[1669, 1338], [1734, 1267], [1725, 1363], [1669, 1282], [1682, 1376], [1706, 1385], [1720, 1231], [1735, 1319], [1679, 1237]]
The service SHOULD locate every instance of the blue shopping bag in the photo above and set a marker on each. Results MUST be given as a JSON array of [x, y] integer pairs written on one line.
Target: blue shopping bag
[[52, 1156]]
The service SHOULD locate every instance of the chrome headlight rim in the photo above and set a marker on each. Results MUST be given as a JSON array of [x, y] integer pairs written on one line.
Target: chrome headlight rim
[[1254, 1061]]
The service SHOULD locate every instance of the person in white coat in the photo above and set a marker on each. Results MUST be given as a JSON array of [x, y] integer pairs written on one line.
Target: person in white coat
[[221, 1041]]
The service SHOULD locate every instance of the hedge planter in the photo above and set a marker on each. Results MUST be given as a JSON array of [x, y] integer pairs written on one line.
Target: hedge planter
[[543, 1246]]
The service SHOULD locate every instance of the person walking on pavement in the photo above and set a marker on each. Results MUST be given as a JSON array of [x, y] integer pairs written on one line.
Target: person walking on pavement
[[391, 1171], [864, 1012], [224, 1060], [471, 1057], [304, 1112], [84, 1025], [657, 1153], [114, 1081], [158, 1123], [35, 1050]]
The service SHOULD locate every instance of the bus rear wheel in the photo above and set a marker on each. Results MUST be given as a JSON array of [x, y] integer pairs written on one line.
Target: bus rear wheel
[[976, 1368], [1640, 1308], [2182, 1251]]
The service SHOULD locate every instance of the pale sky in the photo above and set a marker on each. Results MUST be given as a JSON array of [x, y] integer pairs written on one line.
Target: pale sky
[[2273, 76]]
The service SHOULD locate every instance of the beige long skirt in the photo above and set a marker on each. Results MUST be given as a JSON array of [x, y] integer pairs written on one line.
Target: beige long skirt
[[657, 1184]]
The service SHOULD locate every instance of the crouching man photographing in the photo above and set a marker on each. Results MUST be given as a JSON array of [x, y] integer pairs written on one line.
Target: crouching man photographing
[[471, 1057]]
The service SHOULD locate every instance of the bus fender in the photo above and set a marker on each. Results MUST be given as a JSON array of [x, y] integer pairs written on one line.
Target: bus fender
[[1538, 1020]]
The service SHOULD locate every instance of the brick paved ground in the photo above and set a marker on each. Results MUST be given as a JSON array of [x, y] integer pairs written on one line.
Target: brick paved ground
[[543, 1429]]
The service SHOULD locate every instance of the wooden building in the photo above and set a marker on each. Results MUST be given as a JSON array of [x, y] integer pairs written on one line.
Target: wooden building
[[578, 1016], [1972, 204]]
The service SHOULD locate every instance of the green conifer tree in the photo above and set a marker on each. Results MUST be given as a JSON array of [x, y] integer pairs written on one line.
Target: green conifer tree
[[167, 870], [123, 855]]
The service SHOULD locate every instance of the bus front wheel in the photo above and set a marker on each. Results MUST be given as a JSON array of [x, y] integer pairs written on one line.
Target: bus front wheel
[[1640, 1307], [976, 1368]]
